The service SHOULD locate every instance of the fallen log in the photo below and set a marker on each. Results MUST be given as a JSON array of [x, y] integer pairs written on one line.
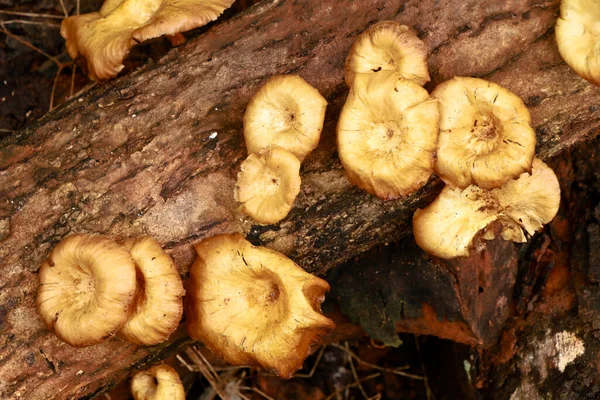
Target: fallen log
[[156, 152]]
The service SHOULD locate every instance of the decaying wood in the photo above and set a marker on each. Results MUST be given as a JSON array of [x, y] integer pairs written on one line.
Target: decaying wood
[[156, 152]]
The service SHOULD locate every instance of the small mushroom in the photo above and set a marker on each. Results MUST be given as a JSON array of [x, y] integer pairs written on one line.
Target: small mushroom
[[268, 184], [87, 285], [104, 38], [578, 37], [287, 112], [448, 226], [157, 307], [388, 46], [386, 134], [254, 306], [485, 134], [160, 382]]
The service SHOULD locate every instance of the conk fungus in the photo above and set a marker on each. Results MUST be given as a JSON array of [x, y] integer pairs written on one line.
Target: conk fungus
[[158, 306], [268, 184], [287, 112], [386, 134], [254, 306], [485, 134], [160, 382], [87, 285], [104, 38], [448, 226], [578, 37], [388, 46]]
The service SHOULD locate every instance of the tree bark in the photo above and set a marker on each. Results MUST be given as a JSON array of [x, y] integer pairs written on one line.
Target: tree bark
[[156, 152]]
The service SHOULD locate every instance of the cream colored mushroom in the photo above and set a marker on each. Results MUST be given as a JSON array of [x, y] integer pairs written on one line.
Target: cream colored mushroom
[[578, 37], [387, 133], [87, 285], [485, 134], [158, 306], [268, 184], [254, 306], [160, 382], [447, 227], [104, 38], [388, 46], [287, 112]]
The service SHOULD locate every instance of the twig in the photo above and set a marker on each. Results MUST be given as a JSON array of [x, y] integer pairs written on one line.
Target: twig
[[23, 22], [60, 68], [62, 5], [397, 371], [7, 130], [257, 390], [77, 7], [355, 375], [31, 15], [315, 365], [351, 385], [425, 380], [206, 369], [73, 70], [27, 44]]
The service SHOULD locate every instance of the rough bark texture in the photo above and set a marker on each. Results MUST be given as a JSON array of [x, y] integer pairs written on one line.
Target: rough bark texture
[[156, 152]]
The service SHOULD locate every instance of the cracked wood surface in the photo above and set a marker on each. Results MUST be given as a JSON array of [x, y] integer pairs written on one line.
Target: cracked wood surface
[[156, 152]]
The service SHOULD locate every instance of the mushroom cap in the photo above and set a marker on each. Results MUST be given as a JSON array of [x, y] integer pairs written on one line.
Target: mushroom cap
[[287, 112], [485, 134], [87, 285], [447, 227], [254, 306], [388, 46], [160, 382], [386, 134], [104, 38], [268, 184], [578, 37], [158, 306]]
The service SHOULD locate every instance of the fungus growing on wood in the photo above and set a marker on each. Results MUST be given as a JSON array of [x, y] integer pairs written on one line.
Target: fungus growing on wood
[[287, 112], [87, 285], [157, 305], [448, 226], [160, 382], [104, 38], [254, 306], [268, 184], [388, 46], [578, 37], [485, 134], [387, 133]]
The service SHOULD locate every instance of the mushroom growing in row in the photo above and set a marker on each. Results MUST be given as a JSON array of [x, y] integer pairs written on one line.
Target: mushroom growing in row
[[449, 225], [254, 306], [387, 133], [160, 382], [104, 38]]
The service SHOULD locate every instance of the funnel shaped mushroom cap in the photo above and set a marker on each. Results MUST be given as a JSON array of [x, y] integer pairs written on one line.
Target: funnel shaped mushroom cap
[[386, 134], [268, 184], [388, 46], [104, 38], [578, 37], [287, 112], [447, 227], [160, 382], [157, 306], [86, 287], [485, 134], [254, 306]]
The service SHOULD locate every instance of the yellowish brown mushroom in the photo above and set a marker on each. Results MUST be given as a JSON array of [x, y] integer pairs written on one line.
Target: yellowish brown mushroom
[[160, 382], [157, 307], [87, 285], [485, 134], [268, 184], [386, 134], [254, 306], [578, 37], [388, 46], [104, 38], [287, 112], [447, 227]]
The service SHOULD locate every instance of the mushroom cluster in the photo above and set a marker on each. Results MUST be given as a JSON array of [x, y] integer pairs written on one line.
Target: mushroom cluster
[[104, 38], [254, 306], [282, 124], [91, 287], [160, 382]]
